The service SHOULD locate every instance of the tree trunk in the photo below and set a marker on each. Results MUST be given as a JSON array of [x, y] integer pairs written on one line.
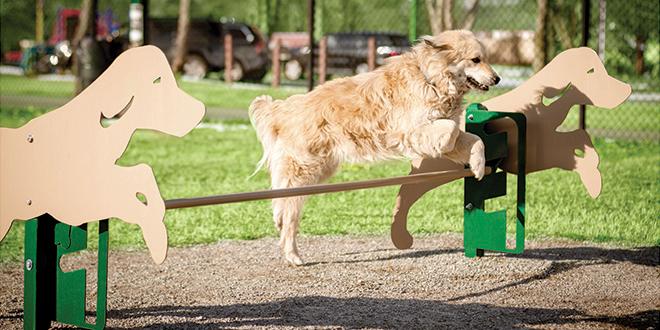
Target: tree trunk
[[39, 22], [441, 15], [471, 16], [180, 47], [446, 15], [434, 9], [84, 22], [602, 19], [639, 55], [540, 38]]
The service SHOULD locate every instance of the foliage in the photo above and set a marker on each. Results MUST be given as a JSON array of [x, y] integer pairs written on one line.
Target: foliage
[[632, 25]]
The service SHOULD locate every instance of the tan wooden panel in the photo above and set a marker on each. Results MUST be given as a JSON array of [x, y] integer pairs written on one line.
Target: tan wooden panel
[[63, 162], [575, 76]]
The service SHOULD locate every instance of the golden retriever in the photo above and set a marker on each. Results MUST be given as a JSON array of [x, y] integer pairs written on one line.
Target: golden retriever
[[410, 107]]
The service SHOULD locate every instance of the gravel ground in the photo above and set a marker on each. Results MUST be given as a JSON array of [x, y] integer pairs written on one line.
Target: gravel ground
[[362, 282]]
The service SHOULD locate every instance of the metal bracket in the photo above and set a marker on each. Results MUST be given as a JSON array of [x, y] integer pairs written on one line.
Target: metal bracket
[[51, 294], [487, 230]]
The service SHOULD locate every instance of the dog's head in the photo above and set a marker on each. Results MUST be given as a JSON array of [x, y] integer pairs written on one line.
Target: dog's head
[[459, 54]]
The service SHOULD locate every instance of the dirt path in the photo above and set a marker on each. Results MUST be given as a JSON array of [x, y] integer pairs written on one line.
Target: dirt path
[[364, 283]]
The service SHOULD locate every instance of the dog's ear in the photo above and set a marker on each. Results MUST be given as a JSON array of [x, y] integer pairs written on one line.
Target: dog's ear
[[428, 40]]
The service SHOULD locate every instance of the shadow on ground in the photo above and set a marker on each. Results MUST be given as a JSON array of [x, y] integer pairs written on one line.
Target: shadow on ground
[[644, 256], [316, 311], [389, 313], [360, 312]]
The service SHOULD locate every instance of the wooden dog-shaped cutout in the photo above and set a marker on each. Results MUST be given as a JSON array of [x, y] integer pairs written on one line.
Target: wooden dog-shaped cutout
[[63, 162], [576, 76]]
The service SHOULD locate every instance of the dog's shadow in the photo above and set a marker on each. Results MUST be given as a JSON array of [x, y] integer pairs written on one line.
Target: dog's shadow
[[366, 312]]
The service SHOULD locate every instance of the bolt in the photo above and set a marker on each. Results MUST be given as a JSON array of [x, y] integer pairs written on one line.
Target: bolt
[[29, 202], [470, 117], [30, 138], [28, 264], [469, 206]]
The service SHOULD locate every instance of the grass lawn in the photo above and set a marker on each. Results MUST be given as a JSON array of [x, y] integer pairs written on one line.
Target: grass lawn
[[213, 93], [209, 161], [640, 117]]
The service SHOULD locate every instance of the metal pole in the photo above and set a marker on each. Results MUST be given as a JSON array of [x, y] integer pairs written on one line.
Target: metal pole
[[145, 22], [412, 21], [316, 189], [586, 18], [310, 27]]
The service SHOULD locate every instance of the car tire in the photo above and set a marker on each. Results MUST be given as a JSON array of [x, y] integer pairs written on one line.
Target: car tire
[[362, 68], [255, 76], [293, 70], [237, 71], [195, 67]]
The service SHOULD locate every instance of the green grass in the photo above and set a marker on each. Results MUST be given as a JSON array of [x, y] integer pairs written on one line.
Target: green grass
[[210, 162], [212, 93], [627, 120]]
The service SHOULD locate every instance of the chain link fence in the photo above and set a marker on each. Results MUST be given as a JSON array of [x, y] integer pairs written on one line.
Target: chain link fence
[[623, 32]]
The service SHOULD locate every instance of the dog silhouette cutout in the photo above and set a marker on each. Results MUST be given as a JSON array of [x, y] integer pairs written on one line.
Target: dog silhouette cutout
[[63, 162], [575, 76]]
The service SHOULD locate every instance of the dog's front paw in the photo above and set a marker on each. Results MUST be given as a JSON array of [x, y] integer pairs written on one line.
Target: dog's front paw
[[478, 160]]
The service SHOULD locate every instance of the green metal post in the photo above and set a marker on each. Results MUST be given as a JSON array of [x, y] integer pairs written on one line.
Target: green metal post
[[487, 230], [412, 21], [51, 294]]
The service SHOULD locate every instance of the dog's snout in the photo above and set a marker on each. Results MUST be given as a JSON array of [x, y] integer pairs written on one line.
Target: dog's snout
[[497, 79]]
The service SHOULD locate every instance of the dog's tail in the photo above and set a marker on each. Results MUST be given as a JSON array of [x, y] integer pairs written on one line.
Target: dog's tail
[[260, 117]]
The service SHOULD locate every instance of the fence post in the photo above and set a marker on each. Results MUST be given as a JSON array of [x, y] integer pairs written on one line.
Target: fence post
[[276, 62], [311, 5], [586, 18], [229, 53], [412, 21], [371, 56], [323, 59]]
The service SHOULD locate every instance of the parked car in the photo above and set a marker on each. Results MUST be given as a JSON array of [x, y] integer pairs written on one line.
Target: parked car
[[206, 47], [347, 53]]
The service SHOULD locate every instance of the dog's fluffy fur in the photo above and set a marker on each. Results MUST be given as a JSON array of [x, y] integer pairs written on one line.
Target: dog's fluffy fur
[[409, 107]]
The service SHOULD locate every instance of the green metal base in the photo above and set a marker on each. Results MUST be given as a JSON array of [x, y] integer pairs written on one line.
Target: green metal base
[[51, 294], [487, 230]]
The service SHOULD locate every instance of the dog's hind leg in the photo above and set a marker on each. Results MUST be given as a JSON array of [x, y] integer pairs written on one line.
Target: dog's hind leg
[[286, 173]]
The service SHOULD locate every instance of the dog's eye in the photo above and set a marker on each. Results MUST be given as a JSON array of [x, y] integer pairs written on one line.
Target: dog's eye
[[156, 81], [476, 60]]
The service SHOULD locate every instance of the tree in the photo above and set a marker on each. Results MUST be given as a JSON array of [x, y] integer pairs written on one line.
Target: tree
[[441, 15], [635, 22], [540, 41], [180, 47]]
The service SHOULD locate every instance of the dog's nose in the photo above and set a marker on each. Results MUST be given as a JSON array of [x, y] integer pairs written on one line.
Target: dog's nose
[[497, 79]]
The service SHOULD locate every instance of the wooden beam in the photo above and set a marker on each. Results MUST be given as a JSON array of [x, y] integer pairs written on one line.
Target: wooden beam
[[315, 189]]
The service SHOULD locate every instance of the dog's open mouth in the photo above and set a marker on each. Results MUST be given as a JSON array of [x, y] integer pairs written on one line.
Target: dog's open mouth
[[473, 83]]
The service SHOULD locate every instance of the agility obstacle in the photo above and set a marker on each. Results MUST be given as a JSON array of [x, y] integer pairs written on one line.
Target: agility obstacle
[[54, 295], [64, 151]]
